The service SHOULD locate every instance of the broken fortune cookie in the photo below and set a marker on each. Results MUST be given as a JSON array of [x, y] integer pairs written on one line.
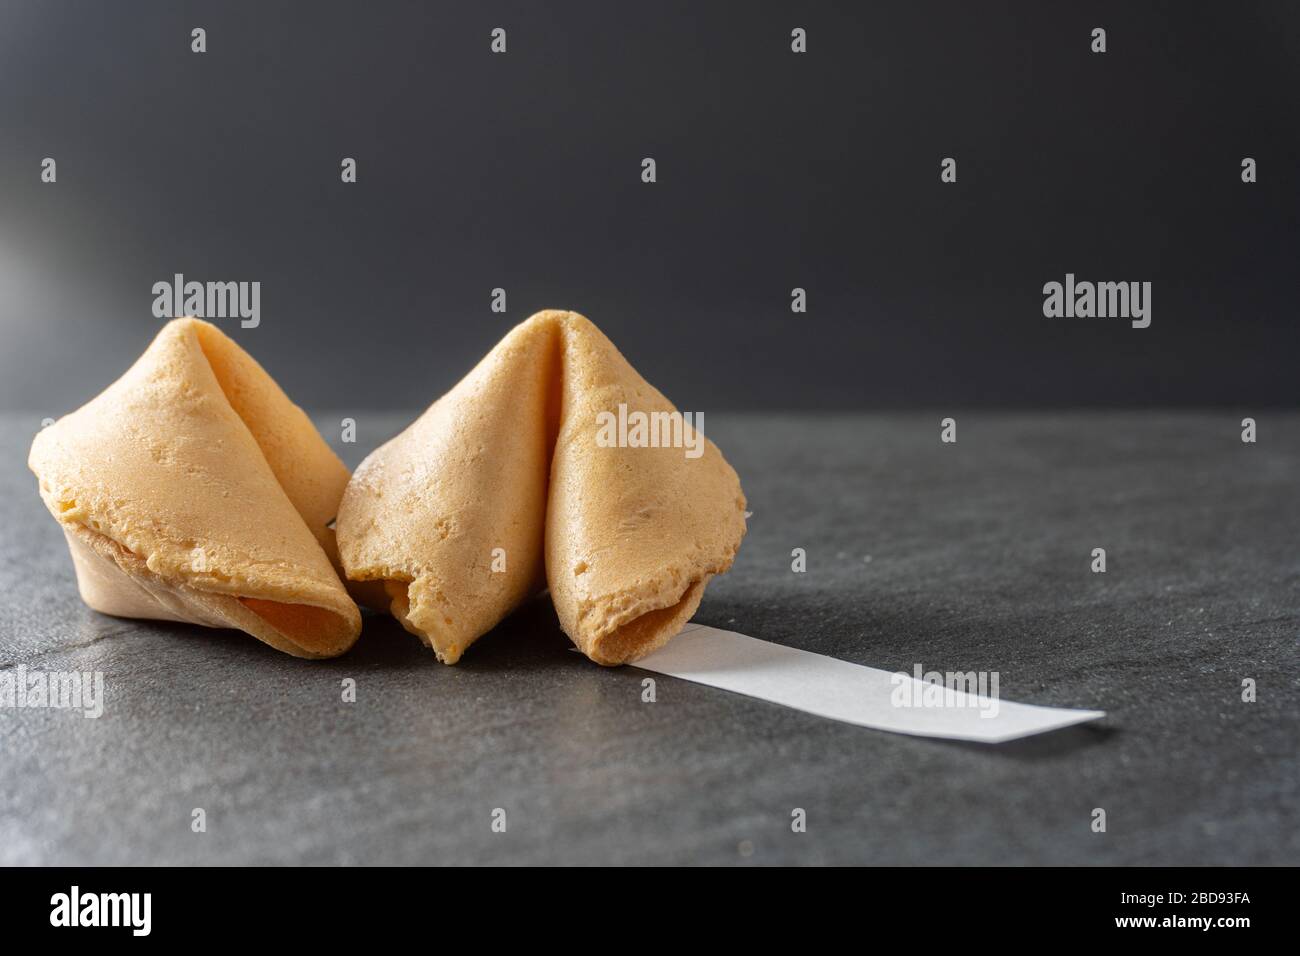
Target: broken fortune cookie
[[503, 487], [192, 489]]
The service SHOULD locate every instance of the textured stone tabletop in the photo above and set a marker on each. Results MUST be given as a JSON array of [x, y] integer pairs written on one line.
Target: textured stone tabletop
[[970, 556]]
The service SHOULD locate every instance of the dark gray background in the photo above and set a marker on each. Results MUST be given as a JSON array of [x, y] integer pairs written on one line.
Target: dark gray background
[[775, 170]]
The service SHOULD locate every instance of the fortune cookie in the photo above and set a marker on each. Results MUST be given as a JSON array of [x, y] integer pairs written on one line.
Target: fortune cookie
[[509, 483], [193, 490]]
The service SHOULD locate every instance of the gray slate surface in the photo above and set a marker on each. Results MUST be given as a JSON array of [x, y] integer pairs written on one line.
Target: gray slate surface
[[979, 559]]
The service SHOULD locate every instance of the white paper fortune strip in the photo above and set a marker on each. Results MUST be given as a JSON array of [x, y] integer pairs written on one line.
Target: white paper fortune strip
[[845, 691]]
